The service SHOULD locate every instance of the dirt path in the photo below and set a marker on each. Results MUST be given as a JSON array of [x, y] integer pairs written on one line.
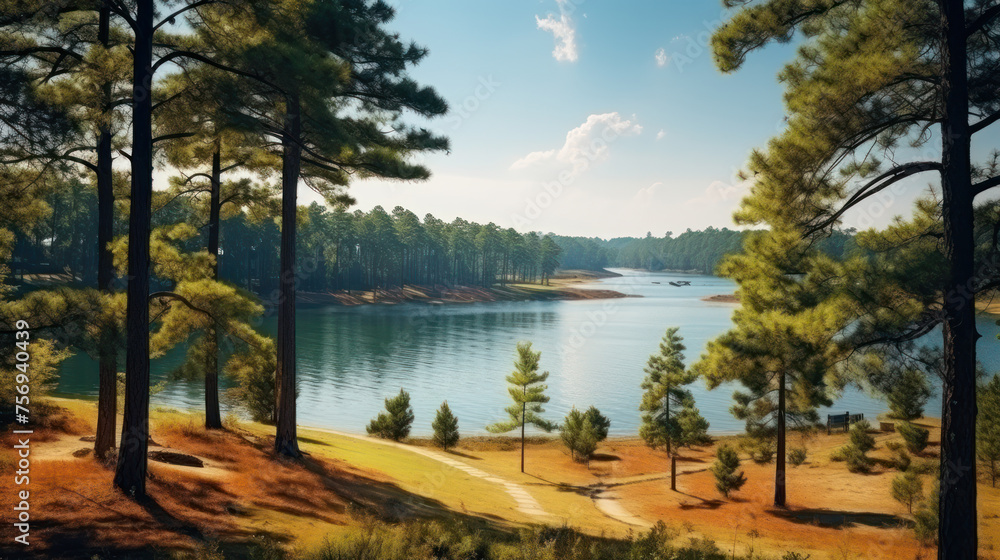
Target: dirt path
[[70, 447], [526, 503], [609, 504]]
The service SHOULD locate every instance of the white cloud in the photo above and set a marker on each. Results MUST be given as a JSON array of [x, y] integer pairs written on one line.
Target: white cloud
[[588, 143], [649, 192], [660, 134], [564, 31], [662, 58]]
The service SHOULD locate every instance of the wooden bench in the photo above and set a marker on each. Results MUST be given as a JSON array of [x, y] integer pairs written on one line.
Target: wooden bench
[[838, 421]]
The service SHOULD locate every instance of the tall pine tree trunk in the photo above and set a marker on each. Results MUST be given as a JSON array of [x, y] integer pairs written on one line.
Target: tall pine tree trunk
[[107, 399], [524, 407], [957, 514], [666, 417], [286, 441], [130, 475], [779, 461], [213, 417]]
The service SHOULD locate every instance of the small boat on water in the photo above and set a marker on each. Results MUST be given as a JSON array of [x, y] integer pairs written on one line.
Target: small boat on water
[[656, 282], [680, 283]]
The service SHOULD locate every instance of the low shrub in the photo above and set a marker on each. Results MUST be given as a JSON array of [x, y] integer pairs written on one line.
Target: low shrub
[[726, 468], [797, 456], [907, 489], [857, 460], [901, 460], [396, 421], [761, 450], [915, 437]]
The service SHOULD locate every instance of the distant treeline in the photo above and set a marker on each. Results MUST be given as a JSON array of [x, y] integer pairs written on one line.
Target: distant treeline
[[699, 251], [355, 250], [337, 249]]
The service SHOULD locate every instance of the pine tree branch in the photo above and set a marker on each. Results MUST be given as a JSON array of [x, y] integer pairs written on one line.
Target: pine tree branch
[[983, 20], [121, 11], [983, 186], [875, 186], [170, 18], [173, 136], [182, 299], [168, 100], [206, 60], [984, 122]]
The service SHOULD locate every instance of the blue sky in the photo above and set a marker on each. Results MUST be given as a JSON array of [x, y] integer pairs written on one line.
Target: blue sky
[[587, 117]]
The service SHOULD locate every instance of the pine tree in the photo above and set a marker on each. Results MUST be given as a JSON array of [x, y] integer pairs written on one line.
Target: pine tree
[[527, 390], [445, 427], [780, 349], [664, 393], [916, 438], [550, 258], [93, 65], [930, 65], [909, 396], [600, 422], [988, 428], [335, 76], [907, 489], [396, 421], [729, 477], [581, 432], [669, 416]]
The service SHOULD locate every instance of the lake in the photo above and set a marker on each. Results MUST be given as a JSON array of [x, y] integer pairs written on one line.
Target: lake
[[351, 358]]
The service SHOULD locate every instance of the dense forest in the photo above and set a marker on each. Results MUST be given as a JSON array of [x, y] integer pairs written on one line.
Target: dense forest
[[339, 249]]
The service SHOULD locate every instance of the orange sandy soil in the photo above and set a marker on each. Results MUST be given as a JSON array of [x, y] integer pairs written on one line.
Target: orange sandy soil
[[560, 287], [831, 512], [243, 492]]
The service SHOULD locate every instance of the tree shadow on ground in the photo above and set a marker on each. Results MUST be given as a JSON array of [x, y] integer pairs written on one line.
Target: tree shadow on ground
[[604, 457], [190, 510], [702, 503], [463, 455], [582, 490], [842, 519]]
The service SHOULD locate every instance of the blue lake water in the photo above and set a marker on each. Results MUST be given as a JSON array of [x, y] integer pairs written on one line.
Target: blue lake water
[[349, 359]]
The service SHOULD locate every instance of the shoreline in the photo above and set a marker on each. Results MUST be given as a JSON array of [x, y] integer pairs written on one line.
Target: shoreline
[[425, 439], [722, 298], [564, 286]]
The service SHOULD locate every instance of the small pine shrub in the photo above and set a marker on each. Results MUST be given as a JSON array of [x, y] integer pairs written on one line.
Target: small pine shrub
[[600, 423], [861, 438], [907, 489], [916, 438], [396, 421], [761, 450], [445, 427], [909, 396], [580, 435], [901, 460], [728, 476], [857, 460], [797, 456]]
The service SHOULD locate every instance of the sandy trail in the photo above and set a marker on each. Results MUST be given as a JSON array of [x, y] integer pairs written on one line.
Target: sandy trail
[[526, 503]]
